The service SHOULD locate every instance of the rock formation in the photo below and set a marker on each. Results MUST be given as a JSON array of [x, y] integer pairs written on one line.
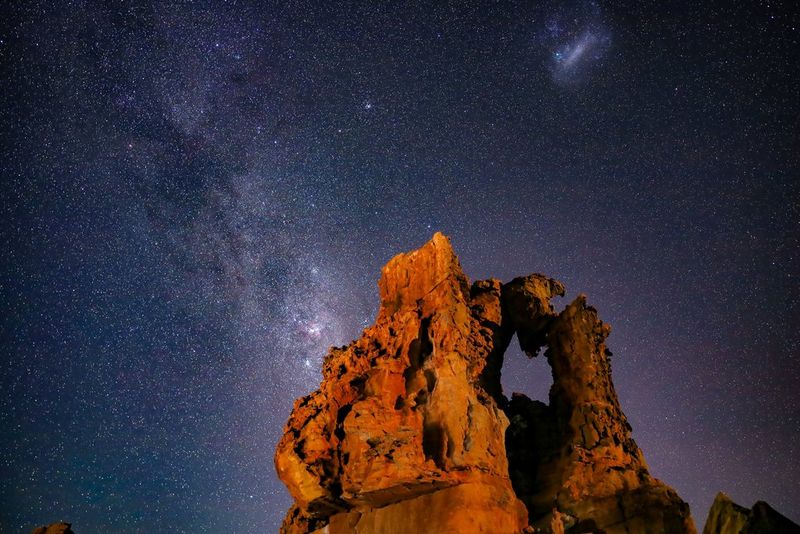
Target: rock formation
[[727, 517], [410, 430], [55, 528], [577, 451]]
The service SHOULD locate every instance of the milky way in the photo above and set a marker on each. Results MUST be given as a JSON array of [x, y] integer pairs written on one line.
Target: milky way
[[197, 199]]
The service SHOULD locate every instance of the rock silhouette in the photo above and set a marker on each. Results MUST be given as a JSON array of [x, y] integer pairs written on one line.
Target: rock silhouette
[[410, 430], [727, 517]]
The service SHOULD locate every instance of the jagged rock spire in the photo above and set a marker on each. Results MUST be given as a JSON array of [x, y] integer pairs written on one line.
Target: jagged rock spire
[[409, 430]]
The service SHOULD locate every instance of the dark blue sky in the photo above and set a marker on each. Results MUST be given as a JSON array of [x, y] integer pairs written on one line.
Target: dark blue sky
[[197, 199]]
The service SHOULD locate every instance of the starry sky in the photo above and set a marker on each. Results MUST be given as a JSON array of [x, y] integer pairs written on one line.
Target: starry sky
[[196, 200]]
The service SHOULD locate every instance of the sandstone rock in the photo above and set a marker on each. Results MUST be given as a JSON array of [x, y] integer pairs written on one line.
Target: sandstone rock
[[727, 517], [55, 528], [401, 414], [409, 430], [577, 454]]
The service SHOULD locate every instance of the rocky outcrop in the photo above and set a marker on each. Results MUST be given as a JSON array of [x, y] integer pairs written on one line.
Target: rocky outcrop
[[576, 455], [727, 517], [55, 528], [410, 430], [400, 426]]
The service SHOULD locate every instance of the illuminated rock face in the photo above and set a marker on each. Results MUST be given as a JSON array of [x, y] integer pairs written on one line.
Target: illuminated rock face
[[577, 452], [409, 431], [55, 528]]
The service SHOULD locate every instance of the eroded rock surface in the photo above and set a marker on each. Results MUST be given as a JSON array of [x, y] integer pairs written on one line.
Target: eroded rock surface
[[409, 430], [577, 454]]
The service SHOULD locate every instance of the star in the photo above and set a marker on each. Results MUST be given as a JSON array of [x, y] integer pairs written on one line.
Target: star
[[198, 201]]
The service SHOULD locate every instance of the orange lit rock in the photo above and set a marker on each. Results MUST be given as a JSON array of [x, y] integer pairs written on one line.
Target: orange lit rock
[[577, 454], [55, 528], [400, 419], [407, 432]]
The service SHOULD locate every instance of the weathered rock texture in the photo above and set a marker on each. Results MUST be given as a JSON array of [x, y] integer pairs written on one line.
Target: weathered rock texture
[[727, 517], [410, 431], [577, 452], [55, 528]]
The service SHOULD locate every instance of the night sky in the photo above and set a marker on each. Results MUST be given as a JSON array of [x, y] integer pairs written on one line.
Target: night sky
[[197, 199]]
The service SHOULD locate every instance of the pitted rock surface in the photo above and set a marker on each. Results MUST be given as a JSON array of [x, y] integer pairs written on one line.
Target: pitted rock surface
[[409, 430]]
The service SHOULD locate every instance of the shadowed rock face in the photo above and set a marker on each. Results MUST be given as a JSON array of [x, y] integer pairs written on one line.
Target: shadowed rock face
[[727, 517], [410, 431]]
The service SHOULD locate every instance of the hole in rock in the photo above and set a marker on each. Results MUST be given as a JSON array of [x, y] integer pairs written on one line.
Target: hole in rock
[[434, 443], [529, 376]]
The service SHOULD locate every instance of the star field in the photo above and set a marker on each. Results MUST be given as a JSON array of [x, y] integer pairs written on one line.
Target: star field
[[197, 199]]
